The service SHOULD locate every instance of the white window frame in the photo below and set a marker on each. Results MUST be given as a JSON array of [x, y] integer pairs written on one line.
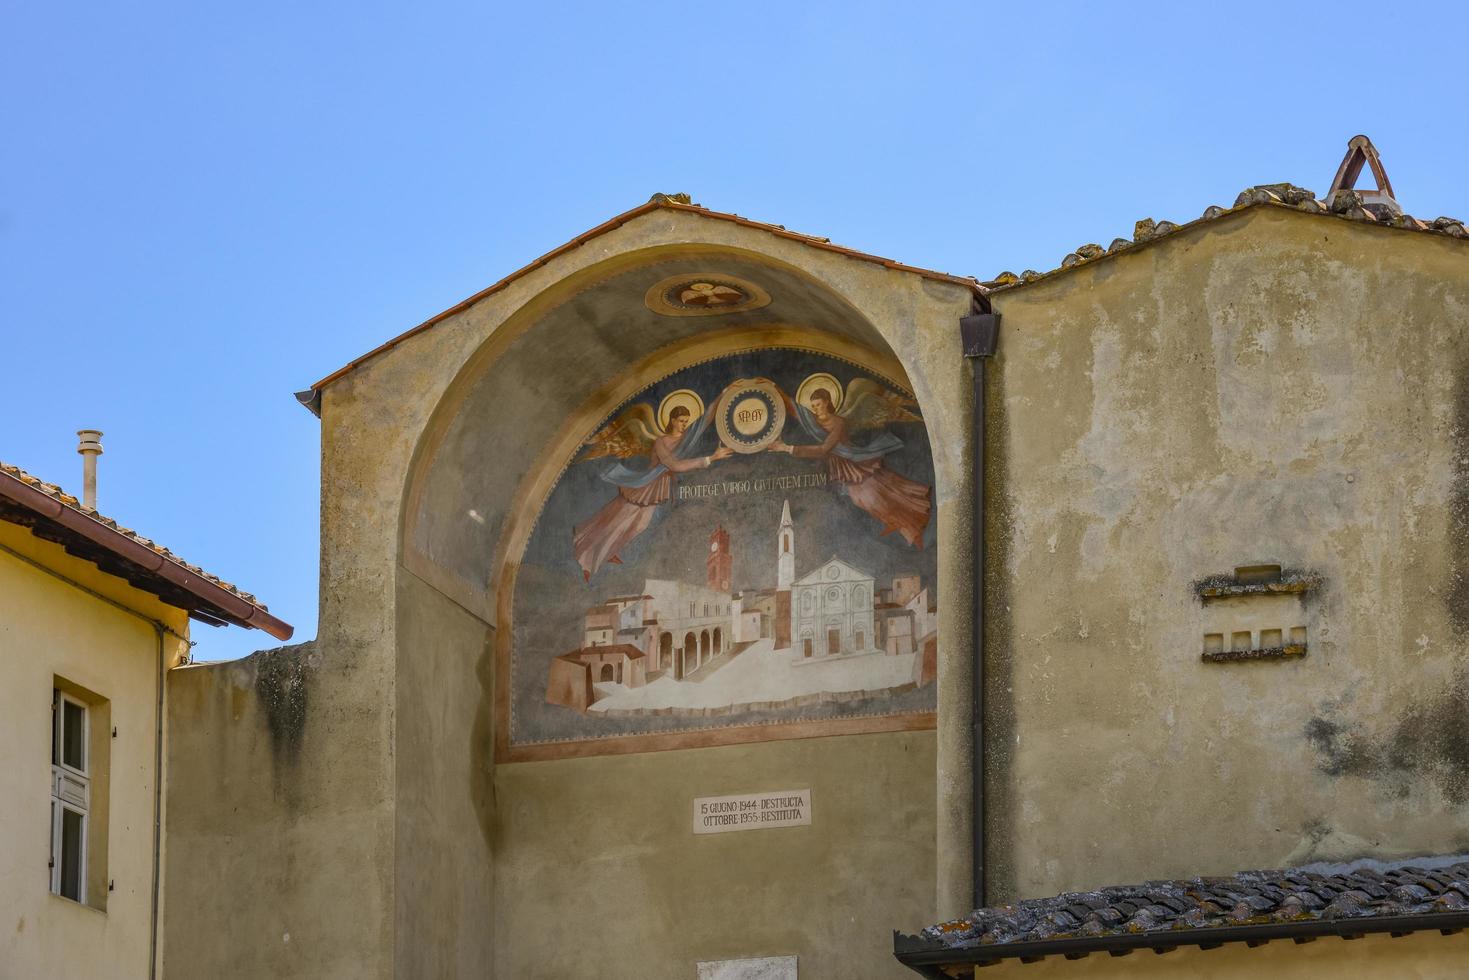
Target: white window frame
[[71, 789]]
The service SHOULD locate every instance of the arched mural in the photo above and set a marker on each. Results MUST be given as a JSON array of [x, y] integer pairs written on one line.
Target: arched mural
[[699, 538]]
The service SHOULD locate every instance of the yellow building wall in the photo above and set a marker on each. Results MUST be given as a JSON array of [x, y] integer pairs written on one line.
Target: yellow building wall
[[49, 629]]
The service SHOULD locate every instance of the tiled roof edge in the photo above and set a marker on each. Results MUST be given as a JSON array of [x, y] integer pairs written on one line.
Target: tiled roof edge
[[1252, 907], [672, 202], [22, 487], [920, 953], [1346, 205]]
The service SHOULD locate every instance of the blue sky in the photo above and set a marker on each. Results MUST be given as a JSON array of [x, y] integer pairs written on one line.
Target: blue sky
[[206, 207]]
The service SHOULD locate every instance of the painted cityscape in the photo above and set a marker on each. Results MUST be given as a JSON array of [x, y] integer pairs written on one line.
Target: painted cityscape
[[748, 541]]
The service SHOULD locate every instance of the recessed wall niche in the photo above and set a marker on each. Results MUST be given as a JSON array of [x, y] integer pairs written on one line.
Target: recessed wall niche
[[1256, 613]]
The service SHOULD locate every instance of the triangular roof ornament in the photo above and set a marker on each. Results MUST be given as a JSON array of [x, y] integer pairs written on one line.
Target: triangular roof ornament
[[1361, 151]]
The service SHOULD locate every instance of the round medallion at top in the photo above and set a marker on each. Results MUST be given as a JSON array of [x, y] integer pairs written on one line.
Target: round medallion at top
[[749, 415], [704, 294]]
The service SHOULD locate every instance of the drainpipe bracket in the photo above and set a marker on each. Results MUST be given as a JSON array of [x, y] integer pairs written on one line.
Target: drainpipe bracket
[[980, 333]]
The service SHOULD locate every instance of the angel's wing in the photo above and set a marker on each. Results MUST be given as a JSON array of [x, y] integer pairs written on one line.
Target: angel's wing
[[631, 433], [868, 405]]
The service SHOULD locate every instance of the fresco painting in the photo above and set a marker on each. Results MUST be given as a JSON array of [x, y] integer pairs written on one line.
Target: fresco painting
[[748, 541]]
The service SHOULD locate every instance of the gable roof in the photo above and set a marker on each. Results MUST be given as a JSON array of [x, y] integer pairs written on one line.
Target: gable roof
[[54, 515], [1251, 907], [668, 202]]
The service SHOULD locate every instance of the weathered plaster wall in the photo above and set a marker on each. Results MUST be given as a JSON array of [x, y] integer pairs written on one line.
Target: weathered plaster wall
[[575, 836], [598, 855], [51, 629], [378, 831], [443, 864], [1270, 386], [276, 809], [1418, 956]]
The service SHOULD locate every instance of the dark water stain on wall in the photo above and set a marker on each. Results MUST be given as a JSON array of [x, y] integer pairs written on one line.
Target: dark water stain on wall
[[1000, 722], [1456, 595], [482, 745], [281, 684], [1428, 742]]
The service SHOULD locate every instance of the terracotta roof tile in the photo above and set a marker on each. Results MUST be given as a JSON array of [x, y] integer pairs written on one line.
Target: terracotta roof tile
[[71, 503], [1346, 205], [671, 202], [1074, 923]]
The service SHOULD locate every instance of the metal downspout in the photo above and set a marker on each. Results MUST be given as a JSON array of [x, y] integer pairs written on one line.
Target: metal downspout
[[980, 334]]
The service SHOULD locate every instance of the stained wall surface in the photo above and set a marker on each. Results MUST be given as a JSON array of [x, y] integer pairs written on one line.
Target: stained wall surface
[[363, 765], [1271, 386], [615, 831], [278, 836], [53, 632]]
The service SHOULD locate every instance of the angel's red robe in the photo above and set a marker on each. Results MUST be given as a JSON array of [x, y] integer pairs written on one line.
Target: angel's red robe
[[901, 504], [628, 514]]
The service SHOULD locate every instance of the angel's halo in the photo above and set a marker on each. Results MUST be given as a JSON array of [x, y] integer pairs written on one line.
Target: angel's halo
[[686, 397], [821, 380]]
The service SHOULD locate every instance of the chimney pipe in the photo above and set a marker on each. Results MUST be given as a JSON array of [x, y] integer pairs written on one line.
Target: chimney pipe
[[90, 447]]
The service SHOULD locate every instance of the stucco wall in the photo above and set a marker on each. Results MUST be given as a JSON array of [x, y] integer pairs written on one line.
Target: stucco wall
[[382, 840], [598, 855], [278, 821], [443, 864], [52, 629], [1268, 387]]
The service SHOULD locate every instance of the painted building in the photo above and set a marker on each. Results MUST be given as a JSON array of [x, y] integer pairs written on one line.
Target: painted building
[[785, 563], [573, 678], [1277, 383], [92, 618], [694, 624], [620, 619], [831, 610], [720, 561]]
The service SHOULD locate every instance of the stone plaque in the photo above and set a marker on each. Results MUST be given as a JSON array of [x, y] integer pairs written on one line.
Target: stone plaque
[[757, 968], [752, 811]]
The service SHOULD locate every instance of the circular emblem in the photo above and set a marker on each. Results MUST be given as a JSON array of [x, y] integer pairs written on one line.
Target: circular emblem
[[750, 415], [704, 294]]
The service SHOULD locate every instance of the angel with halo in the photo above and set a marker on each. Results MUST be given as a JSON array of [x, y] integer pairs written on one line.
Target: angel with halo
[[667, 440], [832, 417]]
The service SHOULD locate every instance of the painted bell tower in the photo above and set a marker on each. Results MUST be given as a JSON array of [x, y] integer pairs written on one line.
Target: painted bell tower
[[785, 567], [720, 562], [785, 574]]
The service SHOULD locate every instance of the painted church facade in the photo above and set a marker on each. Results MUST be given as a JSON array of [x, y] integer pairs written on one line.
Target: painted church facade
[[833, 606]]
